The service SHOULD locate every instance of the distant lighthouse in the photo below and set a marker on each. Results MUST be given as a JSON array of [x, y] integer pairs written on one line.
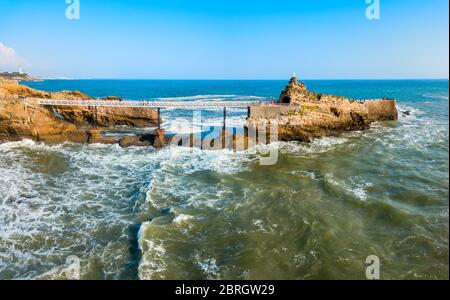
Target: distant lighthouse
[[20, 70]]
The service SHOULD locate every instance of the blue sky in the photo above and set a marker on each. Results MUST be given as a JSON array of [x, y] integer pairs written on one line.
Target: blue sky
[[226, 39]]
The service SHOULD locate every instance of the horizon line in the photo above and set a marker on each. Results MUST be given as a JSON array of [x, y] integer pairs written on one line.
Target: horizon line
[[229, 79]]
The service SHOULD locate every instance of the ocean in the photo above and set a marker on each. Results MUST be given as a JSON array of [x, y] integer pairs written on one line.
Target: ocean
[[180, 213]]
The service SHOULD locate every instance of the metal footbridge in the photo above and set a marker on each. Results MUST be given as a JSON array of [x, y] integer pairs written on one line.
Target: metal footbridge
[[158, 105], [147, 104]]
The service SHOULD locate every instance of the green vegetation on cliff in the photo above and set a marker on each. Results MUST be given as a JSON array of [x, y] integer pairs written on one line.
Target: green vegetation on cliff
[[15, 76]]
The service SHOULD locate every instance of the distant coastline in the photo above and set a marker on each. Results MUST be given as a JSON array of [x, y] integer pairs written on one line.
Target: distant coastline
[[17, 76]]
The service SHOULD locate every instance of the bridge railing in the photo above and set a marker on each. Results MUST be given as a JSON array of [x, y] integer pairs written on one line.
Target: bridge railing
[[146, 104], [161, 104]]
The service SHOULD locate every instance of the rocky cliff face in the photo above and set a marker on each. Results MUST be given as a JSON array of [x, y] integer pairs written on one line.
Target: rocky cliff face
[[109, 116], [293, 92], [317, 115], [11, 88], [22, 117]]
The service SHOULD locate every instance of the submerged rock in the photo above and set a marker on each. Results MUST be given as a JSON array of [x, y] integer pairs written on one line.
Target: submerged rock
[[95, 136], [155, 139]]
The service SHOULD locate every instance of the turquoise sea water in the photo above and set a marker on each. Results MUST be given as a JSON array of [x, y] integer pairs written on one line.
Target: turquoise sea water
[[179, 213]]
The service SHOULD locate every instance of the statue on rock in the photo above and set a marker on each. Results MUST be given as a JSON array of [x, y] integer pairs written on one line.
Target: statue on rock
[[293, 91]]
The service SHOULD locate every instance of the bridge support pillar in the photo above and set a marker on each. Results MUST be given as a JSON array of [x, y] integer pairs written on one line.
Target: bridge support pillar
[[224, 127], [94, 117], [159, 117], [224, 118]]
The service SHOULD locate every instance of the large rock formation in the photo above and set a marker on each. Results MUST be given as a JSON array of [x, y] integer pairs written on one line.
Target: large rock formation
[[293, 91], [310, 115], [22, 117], [84, 116], [108, 116]]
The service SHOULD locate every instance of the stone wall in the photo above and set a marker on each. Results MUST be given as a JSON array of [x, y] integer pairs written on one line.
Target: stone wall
[[382, 110], [271, 111]]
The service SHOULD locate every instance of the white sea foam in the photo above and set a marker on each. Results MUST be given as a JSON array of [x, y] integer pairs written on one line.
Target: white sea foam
[[313, 149], [416, 131], [27, 143], [153, 255], [259, 224], [234, 121], [181, 218], [55, 200], [355, 187], [180, 125], [172, 187], [436, 96], [209, 267], [172, 177], [413, 112]]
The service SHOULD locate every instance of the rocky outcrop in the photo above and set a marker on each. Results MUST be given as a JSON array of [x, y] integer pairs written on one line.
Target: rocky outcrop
[[108, 116], [293, 92], [156, 139], [311, 115], [22, 117], [95, 136], [12, 88], [84, 116]]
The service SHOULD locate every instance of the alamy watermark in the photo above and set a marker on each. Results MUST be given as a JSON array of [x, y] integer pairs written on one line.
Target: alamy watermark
[[72, 270], [373, 9], [373, 268], [73, 9], [258, 137]]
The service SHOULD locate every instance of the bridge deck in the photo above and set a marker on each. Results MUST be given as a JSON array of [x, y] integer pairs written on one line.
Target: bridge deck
[[147, 104]]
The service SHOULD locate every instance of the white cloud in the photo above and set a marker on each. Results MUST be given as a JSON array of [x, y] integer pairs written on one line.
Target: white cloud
[[9, 58]]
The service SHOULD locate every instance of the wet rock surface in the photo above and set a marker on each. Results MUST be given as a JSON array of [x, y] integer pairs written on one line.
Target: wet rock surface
[[156, 139]]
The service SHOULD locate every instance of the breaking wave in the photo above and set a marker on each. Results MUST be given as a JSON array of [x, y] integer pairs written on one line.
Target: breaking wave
[[436, 96]]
